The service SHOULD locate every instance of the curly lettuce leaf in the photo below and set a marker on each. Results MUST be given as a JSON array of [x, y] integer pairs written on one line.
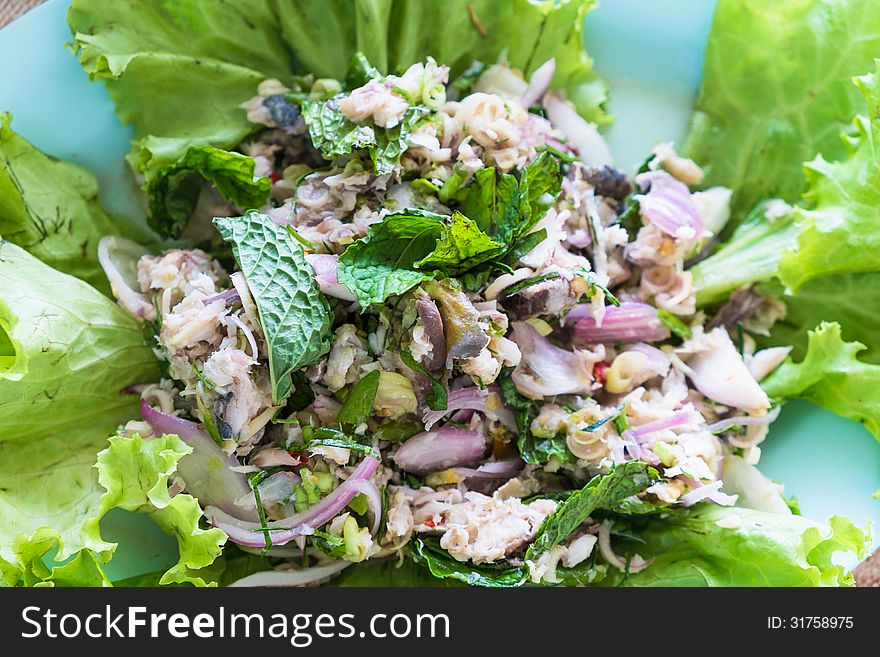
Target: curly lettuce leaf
[[407, 247], [755, 549], [174, 191], [851, 299], [67, 353], [294, 313], [776, 91], [839, 227], [832, 376], [819, 258], [50, 207], [134, 473]]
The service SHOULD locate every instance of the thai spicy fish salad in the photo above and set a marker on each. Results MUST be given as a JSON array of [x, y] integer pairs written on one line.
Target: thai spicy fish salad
[[456, 332]]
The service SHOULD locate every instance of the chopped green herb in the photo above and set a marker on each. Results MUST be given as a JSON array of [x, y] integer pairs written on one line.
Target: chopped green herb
[[299, 238], [568, 158], [620, 421], [254, 481], [590, 277], [330, 544], [425, 185], [605, 420], [674, 324], [397, 431], [358, 404], [534, 280]]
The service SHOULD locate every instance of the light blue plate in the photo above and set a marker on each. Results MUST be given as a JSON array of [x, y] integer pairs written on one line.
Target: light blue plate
[[650, 52]]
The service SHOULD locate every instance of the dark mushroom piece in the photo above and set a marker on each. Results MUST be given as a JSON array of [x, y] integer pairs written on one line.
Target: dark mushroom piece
[[608, 182]]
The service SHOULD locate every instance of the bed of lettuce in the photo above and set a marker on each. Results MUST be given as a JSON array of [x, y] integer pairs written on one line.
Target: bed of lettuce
[[789, 107]]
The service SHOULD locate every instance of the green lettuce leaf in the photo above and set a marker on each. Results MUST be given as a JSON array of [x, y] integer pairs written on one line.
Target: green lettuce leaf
[[851, 299], [67, 353], [178, 71], [761, 549], [832, 376], [134, 473], [751, 255], [406, 248], [603, 492], [396, 33], [174, 192], [776, 91], [50, 207], [839, 225], [819, 258], [294, 313]]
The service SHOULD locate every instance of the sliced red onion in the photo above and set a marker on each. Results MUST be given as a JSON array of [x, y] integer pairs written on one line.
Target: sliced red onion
[[717, 370], [546, 370], [252, 534], [559, 146], [472, 398], [539, 83], [282, 215], [435, 334], [440, 449], [270, 457], [636, 564], [668, 205], [590, 145], [745, 420], [657, 363], [634, 448], [766, 360], [206, 470], [711, 492], [229, 296], [292, 577], [118, 258], [326, 266], [674, 421], [632, 321], [505, 469], [374, 502]]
